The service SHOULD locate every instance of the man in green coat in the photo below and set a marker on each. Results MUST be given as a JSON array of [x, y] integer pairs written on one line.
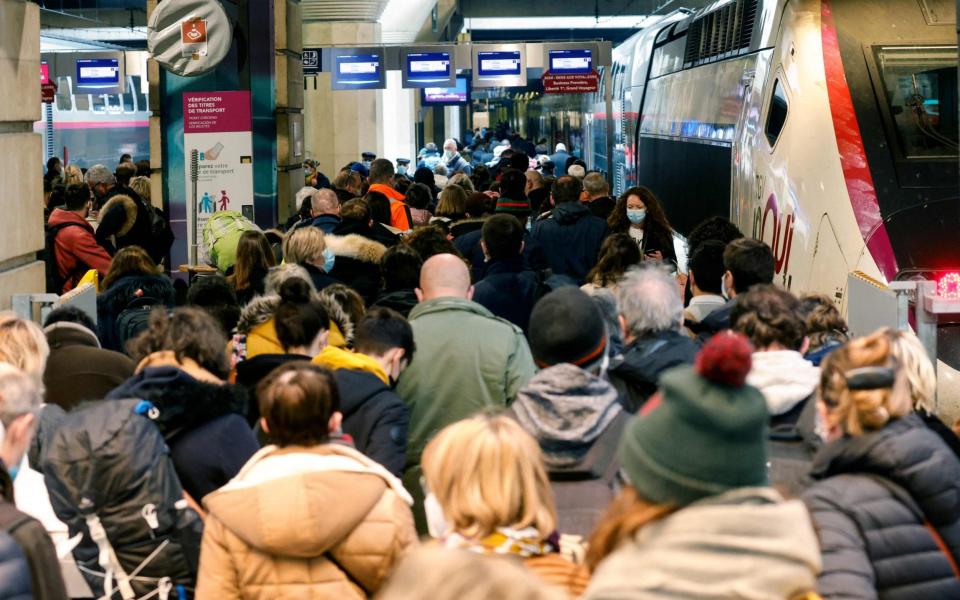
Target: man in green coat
[[467, 360]]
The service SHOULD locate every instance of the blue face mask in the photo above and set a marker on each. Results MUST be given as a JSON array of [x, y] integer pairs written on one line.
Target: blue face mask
[[402, 170], [329, 258], [636, 215]]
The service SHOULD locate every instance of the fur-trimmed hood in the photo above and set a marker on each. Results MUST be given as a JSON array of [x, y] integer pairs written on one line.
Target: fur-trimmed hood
[[129, 207], [357, 247], [261, 309]]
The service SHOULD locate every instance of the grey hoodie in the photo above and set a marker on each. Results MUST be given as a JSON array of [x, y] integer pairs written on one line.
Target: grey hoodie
[[566, 409]]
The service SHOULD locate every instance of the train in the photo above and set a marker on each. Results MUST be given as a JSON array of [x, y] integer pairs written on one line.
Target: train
[[826, 128], [93, 128]]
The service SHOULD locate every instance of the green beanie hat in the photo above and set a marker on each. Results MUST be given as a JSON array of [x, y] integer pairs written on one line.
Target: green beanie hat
[[707, 435]]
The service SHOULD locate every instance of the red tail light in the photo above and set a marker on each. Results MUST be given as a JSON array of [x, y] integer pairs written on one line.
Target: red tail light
[[949, 286]]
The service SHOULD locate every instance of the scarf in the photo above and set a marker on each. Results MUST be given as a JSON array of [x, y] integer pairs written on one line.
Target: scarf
[[524, 542]]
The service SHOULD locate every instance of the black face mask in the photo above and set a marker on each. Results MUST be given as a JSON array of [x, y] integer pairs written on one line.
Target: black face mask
[[393, 382]]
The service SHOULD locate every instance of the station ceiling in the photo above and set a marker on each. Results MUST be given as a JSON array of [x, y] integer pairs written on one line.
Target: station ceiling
[[121, 23]]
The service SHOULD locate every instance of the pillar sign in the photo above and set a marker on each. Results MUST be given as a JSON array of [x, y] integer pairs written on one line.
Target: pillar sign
[[217, 126]]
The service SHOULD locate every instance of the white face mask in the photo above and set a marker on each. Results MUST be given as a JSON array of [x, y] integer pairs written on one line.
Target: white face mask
[[723, 287], [436, 523], [449, 154]]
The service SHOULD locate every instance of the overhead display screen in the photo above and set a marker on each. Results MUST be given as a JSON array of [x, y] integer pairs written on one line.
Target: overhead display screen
[[430, 67], [98, 72], [459, 94], [571, 62], [499, 64], [358, 70]]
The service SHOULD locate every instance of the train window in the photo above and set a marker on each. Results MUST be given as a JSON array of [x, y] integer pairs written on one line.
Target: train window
[[668, 58], [82, 101], [776, 114], [920, 84]]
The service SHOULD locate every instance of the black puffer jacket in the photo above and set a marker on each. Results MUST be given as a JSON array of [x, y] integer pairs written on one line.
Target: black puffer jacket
[[644, 359], [375, 417], [881, 496], [202, 422]]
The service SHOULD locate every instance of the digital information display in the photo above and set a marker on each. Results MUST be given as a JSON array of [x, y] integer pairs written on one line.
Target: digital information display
[[358, 71], [571, 62], [459, 94], [499, 64], [98, 72], [428, 67]]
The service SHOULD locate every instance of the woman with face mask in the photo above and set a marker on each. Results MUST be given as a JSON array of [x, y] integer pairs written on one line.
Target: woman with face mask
[[640, 215]]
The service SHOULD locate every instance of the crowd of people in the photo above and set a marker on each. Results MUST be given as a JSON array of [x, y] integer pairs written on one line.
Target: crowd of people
[[505, 386]]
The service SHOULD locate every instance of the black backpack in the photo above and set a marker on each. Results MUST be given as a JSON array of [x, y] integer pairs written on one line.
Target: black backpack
[[111, 479], [161, 235], [134, 318], [48, 255]]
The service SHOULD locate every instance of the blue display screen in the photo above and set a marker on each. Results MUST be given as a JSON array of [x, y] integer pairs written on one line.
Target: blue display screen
[[460, 94], [571, 62], [428, 67], [98, 72], [499, 64], [359, 70]]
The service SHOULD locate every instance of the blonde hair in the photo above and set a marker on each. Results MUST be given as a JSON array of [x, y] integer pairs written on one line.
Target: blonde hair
[[435, 573], [861, 411], [141, 185], [72, 174], [452, 202], [23, 345], [487, 472], [916, 367], [304, 246]]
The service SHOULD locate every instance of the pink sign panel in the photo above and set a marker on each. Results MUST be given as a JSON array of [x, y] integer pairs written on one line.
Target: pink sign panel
[[216, 112]]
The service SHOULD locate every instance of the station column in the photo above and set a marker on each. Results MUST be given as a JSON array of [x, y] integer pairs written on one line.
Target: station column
[[338, 126], [21, 155]]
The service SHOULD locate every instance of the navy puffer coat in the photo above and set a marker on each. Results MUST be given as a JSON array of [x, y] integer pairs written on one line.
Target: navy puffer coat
[[880, 499]]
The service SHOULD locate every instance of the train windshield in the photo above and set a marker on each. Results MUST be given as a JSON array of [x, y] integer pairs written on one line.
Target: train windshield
[[921, 92]]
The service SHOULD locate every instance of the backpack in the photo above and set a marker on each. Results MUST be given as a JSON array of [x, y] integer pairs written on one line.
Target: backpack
[[134, 318], [112, 481], [16, 581], [48, 255], [161, 235]]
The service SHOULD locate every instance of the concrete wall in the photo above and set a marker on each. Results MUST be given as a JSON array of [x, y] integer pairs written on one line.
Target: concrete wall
[[21, 154]]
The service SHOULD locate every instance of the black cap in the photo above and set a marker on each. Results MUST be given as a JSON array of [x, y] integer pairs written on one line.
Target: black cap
[[403, 161], [567, 327], [368, 155]]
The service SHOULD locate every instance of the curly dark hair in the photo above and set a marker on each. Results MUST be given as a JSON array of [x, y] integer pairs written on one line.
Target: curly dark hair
[[769, 315], [823, 320], [430, 240], [656, 225], [617, 254], [188, 333]]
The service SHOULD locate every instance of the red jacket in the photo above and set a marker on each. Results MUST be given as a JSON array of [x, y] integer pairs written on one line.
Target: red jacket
[[398, 212], [75, 245]]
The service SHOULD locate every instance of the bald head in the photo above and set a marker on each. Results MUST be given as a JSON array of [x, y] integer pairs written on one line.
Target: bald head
[[444, 276], [325, 202]]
